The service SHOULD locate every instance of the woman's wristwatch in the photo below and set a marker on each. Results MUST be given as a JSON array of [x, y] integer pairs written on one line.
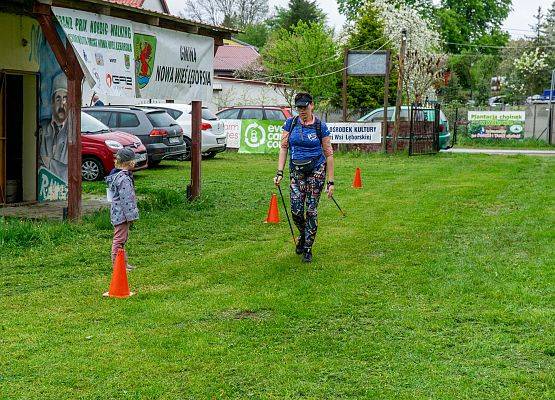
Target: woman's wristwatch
[[330, 183], [279, 172]]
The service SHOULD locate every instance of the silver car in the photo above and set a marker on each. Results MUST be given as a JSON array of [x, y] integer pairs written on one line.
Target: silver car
[[214, 138]]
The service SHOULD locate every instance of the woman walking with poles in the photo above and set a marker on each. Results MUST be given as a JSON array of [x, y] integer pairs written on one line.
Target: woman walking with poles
[[311, 156]]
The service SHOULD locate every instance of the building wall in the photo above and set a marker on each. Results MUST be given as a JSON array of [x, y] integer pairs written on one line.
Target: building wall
[[20, 39], [240, 93]]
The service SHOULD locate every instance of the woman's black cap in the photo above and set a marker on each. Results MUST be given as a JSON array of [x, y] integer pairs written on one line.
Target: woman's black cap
[[302, 99]]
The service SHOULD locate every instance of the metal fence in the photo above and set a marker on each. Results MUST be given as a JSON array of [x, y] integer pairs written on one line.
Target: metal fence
[[424, 130], [536, 125]]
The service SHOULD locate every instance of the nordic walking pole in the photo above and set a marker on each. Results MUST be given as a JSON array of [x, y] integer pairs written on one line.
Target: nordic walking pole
[[342, 213], [287, 214]]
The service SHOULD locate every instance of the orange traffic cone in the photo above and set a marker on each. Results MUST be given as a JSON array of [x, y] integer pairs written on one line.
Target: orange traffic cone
[[273, 212], [119, 287], [357, 183]]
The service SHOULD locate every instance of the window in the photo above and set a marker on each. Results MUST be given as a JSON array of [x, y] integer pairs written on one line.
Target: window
[[209, 115], [252, 113], [175, 114], [160, 119], [128, 120], [404, 116], [106, 117], [376, 117], [89, 124], [276, 115], [232, 113]]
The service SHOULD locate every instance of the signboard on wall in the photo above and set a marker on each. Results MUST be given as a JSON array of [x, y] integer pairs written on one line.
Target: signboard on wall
[[105, 49], [173, 65], [130, 59], [262, 136], [496, 124]]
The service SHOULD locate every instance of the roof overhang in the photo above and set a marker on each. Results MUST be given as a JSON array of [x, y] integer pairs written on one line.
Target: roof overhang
[[141, 15]]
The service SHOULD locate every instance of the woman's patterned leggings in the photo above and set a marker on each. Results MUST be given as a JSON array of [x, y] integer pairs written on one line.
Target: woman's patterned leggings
[[307, 188]]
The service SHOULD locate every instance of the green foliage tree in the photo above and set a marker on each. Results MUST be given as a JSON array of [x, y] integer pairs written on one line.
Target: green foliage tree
[[366, 93], [473, 22], [549, 34], [453, 91], [256, 34], [298, 57], [296, 11]]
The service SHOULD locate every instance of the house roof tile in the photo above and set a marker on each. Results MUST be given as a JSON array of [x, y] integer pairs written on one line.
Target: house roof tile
[[232, 58]]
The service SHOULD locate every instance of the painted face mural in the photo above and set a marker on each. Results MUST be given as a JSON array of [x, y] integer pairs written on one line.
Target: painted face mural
[[53, 140]]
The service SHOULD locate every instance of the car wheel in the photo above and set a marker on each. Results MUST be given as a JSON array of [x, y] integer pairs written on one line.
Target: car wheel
[[91, 169], [209, 155], [154, 163], [188, 149]]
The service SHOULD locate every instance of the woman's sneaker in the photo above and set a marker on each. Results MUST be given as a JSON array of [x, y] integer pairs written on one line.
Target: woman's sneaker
[[299, 249], [307, 256]]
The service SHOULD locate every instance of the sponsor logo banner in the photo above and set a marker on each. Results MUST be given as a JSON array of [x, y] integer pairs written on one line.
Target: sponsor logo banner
[[261, 136], [104, 46], [496, 124]]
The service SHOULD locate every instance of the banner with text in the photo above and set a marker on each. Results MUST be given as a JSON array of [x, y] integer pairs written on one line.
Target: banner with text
[[496, 124], [355, 133], [173, 65], [261, 136], [104, 46]]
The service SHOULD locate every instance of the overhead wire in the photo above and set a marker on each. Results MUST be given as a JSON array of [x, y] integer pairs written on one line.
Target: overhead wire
[[319, 62], [339, 70]]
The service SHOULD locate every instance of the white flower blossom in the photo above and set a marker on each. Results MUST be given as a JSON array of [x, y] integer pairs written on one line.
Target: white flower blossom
[[423, 63]]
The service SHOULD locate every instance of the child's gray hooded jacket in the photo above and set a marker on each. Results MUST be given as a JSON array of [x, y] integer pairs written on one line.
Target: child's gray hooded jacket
[[124, 202]]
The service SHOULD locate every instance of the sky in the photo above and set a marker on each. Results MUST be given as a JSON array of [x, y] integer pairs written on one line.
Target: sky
[[518, 23]]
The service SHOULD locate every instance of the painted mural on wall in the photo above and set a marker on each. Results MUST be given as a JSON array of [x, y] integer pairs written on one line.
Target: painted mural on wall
[[53, 139]]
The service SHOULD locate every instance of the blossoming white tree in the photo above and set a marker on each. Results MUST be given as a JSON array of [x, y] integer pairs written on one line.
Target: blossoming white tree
[[526, 74], [424, 63]]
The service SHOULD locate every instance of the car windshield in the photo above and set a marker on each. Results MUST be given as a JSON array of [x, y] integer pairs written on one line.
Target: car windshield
[[160, 119], [90, 125]]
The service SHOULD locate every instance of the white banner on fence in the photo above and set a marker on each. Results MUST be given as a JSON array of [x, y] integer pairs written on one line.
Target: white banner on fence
[[355, 132], [232, 128], [173, 65], [104, 48], [341, 132]]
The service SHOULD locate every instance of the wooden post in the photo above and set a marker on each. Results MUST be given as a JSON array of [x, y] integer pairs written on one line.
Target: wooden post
[[196, 156], [399, 89], [45, 18], [344, 90], [74, 179], [386, 102]]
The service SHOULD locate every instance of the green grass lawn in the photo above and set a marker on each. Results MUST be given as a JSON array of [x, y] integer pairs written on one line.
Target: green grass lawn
[[439, 284]]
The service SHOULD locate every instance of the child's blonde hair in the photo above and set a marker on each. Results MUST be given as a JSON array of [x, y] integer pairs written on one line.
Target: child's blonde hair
[[125, 164]]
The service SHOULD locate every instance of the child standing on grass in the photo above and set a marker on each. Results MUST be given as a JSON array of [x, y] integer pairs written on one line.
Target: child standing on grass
[[123, 210]]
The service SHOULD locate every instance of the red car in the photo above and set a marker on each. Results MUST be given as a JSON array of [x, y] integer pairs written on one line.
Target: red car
[[100, 145]]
